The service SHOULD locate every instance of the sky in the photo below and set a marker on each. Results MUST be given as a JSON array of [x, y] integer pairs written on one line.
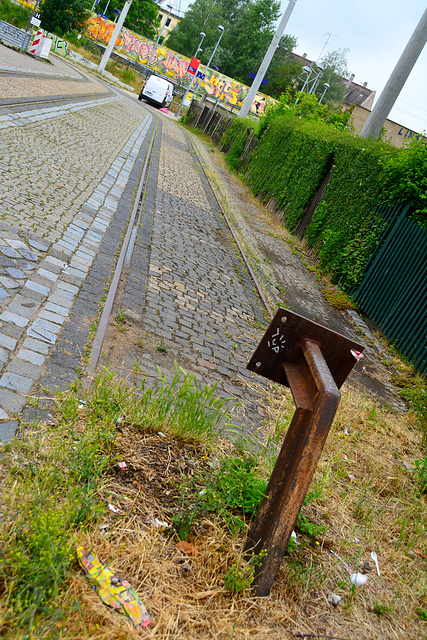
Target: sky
[[376, 33]]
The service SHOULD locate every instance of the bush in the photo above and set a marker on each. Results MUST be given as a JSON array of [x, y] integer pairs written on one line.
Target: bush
[[14, 14], [406, 177], [235, 138]]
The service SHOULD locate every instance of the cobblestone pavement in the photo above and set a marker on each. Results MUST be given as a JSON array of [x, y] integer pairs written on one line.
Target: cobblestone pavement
[[68, 176], [196, 298]]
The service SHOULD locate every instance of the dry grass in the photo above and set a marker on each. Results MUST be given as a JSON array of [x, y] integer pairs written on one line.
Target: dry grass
[[364, 492]]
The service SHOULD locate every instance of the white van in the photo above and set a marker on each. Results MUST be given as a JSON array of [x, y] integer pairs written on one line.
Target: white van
[[157, 91]]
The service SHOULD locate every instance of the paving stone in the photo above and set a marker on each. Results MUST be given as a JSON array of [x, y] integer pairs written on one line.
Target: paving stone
[[20, 310], [15, 382], [35, 286], [11, 402], [65, 286], [45, 325], [14, 318], [11, 330], [7, 342], [49, 275], [15, 273], [8, 283], [41, 334], [57, 309], [28, 255], [10, 252], [7, 429], [60, 264], [38, 245], [31, 356], [59, 300], [51, 317], [24, 369]]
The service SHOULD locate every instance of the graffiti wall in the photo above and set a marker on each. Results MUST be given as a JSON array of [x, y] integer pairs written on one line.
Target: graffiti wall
[[172, 64]]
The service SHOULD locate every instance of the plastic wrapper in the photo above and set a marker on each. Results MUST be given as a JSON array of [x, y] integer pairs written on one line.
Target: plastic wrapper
[[113, 591]]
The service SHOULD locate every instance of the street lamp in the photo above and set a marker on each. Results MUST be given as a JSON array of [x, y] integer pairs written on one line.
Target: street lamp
[[147, 64], [326, 85], [308, 70], [317, 78], [220, 28], [203, 35]]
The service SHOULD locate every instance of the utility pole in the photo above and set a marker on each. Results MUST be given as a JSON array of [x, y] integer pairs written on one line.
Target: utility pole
[[267, 59], [394, 85], [154, 49], [107, 53]]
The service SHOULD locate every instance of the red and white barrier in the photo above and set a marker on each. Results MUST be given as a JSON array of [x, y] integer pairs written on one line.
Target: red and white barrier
[[37, 44]]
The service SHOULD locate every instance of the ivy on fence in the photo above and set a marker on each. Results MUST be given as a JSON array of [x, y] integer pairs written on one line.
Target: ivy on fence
[[288, 164]]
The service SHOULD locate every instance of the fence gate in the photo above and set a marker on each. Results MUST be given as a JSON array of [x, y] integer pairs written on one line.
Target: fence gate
[[394, 290]]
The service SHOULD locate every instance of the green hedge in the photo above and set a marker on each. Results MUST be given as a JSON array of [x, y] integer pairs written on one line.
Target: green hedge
[[289, 163], [235, 138], [344, 226]]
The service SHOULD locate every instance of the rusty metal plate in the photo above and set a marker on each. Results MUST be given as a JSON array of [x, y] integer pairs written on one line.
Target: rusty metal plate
[[281, 345]]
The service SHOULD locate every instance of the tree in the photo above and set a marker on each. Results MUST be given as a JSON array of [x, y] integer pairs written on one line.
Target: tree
[[334, 73], [62, 17], [248, 41], [248, 30], [283, 72], [306, 106], [142, 17]]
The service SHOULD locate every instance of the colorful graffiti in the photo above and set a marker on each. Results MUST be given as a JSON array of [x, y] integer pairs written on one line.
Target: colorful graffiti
[[101, 29], [59, 46], [174, 65]]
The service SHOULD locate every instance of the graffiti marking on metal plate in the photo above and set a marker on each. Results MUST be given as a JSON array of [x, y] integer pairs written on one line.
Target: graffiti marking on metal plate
[[277, 341]]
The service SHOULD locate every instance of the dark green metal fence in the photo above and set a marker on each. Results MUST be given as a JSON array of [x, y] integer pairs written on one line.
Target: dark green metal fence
[[393, 291]]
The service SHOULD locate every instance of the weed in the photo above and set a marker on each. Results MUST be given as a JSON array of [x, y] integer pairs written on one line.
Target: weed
[[421, 470], [380, 608], [309, 528], [121, 320], [306, 573], [241, 574], [231, 492], [414, 392], [52, 494], [162, 346], [422, 613], [336, 298], [177, 406]]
